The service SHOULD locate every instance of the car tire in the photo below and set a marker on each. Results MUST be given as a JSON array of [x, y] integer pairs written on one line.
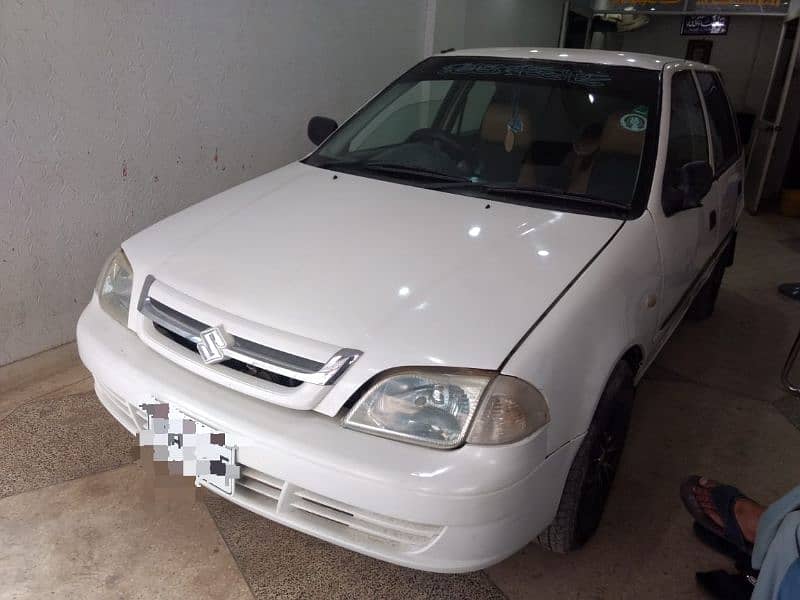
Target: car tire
[[702, 306], [594, 467]]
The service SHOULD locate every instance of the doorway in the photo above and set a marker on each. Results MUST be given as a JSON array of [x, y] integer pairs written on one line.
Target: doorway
[[776, 128]]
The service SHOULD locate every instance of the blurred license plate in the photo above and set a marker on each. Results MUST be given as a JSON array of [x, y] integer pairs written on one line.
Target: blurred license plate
[[204, 452]]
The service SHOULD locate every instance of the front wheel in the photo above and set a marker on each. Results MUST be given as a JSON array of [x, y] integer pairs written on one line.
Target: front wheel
[[592, 473]]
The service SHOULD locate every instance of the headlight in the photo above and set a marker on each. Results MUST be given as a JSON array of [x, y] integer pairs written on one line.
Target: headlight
[[114, 286], [436, 408]]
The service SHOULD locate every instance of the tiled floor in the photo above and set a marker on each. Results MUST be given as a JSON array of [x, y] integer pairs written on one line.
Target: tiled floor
[[82, 517]]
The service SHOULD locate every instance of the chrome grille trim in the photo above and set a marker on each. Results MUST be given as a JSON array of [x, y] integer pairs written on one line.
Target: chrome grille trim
[[246, 351], [173, 320]]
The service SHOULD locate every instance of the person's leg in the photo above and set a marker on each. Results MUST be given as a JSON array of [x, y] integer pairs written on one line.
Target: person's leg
[[771, 521], [778, 578], [775, 532], [790, 586]]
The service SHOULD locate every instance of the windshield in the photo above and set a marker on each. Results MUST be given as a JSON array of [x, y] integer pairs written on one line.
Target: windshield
[[472, 125]]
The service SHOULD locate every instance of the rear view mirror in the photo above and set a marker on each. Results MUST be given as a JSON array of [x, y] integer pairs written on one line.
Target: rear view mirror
[[319, 128], [696, 178]]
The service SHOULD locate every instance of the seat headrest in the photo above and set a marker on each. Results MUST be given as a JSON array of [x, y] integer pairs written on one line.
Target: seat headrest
[[623, 133], [495, 125]]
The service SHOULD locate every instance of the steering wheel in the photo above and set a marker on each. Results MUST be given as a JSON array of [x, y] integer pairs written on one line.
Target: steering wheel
[[446, 142]]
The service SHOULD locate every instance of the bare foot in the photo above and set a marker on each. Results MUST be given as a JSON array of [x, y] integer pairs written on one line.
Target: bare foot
[[747, 512]]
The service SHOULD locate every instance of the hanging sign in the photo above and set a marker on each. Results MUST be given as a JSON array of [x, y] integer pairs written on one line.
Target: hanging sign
[[705, 25]]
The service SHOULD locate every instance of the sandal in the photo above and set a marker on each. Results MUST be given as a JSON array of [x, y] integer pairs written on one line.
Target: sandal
[[721, 545], [724, 498], [726, 586]]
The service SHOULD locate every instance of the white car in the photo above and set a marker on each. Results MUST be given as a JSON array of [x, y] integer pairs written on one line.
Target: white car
[[422, 340]]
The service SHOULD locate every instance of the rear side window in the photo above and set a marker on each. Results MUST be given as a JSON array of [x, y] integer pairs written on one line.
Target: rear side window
[[687, 129], [723, 126]]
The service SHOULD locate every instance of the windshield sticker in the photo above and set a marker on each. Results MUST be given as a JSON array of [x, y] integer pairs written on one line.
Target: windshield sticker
[[635, 122], [550, 73]]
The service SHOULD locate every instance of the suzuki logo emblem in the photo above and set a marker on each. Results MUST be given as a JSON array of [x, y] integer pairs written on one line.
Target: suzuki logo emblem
[[212, 344]]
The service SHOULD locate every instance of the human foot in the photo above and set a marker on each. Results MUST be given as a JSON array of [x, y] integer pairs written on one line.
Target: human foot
[[723, 510], [746, 511]]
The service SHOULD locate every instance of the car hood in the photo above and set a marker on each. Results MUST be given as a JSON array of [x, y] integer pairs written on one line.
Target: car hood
[[407, 275]]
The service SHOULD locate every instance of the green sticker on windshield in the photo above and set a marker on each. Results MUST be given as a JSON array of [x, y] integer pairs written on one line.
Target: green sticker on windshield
[[634, 122]]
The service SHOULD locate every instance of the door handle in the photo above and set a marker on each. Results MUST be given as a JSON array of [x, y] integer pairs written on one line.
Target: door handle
[[712, 220]]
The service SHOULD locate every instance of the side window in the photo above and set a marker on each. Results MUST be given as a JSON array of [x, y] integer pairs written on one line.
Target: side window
[[688, 141], [723, 126]]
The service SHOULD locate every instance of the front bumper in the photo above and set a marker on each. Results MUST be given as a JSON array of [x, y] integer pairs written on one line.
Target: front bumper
[[446, 511]]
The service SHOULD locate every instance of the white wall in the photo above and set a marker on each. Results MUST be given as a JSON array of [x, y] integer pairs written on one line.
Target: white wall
[[744, 56], [487, 23], [450, 24], [114, 114], [513, 22]]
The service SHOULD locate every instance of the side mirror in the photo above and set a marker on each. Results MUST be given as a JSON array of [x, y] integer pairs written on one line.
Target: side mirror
[[319, 128], [687, 187], [696, 179]]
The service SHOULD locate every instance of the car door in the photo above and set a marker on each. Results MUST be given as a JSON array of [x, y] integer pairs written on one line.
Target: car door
[[727, 153], [708, 237], [683, 237]]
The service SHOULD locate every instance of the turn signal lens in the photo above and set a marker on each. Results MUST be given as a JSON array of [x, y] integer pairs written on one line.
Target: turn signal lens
[[510, 410]]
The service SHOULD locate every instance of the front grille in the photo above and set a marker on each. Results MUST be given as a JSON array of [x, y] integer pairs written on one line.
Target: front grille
[[251, 365], [231, 363]]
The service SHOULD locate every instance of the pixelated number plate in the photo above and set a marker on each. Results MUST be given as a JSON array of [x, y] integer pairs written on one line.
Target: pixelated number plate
[[202, 450]]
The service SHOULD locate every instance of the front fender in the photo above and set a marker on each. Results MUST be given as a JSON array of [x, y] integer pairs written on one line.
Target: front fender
[[608, 309]]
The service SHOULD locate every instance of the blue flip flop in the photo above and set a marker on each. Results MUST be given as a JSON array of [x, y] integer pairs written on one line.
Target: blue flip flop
[[724, 498]]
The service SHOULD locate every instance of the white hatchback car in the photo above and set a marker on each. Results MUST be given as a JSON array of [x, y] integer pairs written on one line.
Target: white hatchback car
[[422, 340]]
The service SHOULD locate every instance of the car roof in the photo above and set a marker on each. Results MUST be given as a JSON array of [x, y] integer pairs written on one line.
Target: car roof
[[600, 57]]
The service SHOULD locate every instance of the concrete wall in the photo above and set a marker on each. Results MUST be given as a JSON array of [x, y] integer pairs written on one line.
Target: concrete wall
[[114, 114], [513, 23], [744, 56], [486, 23]]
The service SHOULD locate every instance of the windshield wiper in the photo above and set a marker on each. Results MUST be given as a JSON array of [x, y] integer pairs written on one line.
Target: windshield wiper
[[422, 172], [445, 182], [540, 192], [405, 171]]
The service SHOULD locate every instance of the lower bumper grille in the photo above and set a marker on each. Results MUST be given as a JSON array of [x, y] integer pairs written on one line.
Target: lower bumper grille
[[271, 496], [134, 419], [378, 527]]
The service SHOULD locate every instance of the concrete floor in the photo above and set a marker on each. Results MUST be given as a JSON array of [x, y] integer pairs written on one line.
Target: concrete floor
[[82, 517]]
